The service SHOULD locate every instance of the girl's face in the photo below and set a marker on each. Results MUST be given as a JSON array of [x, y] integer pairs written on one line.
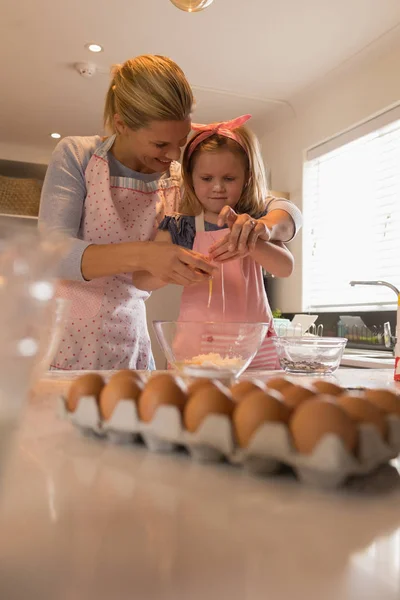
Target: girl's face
[[218, 179]]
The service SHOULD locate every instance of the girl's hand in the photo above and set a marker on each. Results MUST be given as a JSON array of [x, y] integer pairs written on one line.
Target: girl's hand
[[219, 252], [243, 236]]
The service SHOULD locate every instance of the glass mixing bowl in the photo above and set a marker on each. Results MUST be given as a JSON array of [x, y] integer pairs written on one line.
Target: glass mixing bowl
[[210, 349]]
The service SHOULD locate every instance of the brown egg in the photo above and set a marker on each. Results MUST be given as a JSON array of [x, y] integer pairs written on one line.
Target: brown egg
[[90, 384], [278, 383], [206, 401], [386, 400], [160, 390], [317, 417], [196, 384], [242, 388], [126, 374], [295, 395], [118, 388], [256, 408], [362, 410], [326, 387]]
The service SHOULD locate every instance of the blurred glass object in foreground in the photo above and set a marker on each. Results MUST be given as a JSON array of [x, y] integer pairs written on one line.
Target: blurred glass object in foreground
[[28, 265]]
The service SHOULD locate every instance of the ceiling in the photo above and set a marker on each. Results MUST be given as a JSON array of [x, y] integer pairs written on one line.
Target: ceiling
[[239, 55]]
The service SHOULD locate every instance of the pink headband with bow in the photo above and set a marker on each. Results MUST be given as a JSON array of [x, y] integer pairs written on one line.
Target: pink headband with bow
[[225, 128]]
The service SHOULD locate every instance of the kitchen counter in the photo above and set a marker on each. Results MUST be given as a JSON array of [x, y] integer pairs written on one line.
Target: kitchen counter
[[367, 359], [82, 519]]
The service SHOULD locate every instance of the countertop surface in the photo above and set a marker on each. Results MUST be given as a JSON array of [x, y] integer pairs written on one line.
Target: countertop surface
[[82, 519], [367, 359]]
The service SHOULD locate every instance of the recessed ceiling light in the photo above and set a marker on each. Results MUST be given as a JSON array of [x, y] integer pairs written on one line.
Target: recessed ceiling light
[[55, 136], [94, 47]]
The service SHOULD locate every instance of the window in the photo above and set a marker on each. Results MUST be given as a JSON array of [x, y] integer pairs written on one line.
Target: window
[[351, 205]]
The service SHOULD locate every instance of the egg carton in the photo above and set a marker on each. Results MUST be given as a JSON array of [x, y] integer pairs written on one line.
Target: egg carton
[[165, 433], [270, 448]]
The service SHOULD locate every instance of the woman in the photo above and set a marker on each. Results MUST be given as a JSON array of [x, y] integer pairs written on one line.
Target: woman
[[109, 195]]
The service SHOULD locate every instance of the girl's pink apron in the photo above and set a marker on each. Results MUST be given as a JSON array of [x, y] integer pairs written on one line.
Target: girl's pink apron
[[238, 294], [107, 328]]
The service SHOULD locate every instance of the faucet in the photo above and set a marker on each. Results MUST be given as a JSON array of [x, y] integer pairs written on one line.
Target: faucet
[[385, 283], [390, 340]]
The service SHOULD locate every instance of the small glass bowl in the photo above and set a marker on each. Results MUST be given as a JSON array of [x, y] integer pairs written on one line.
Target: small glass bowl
[[310, 355]]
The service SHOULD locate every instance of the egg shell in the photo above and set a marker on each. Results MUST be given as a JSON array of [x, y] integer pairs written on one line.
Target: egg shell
[[206, 401], [161, 390], [278, 383], [201, 382], [242, 388], [386, 400], [316, 418], [362, 410], [126, 374], [295, 395], [257, 408], [118, 388], [326, 387], [90, 384]]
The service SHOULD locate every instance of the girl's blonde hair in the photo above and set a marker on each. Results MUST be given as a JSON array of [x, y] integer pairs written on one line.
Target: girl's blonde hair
[[147, 88], [253, 200]]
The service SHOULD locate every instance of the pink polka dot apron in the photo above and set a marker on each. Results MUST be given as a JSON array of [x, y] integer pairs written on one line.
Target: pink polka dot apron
[[238, 294], [107, 328]]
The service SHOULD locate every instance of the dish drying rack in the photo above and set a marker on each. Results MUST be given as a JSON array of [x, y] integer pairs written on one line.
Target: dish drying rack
[[296, 329], [363, 337], [378, 336]]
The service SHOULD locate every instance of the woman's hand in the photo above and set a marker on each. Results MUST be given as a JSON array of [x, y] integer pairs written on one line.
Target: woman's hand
[[242, 238], [173, 264]]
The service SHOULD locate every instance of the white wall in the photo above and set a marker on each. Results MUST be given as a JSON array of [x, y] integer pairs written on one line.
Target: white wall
[[350, 95], [25, 153]]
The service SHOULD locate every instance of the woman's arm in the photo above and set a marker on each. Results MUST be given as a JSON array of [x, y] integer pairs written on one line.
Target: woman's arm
[[164, 261], [62, 199], [61, 208], [283, 219], [143, 280], [181, 274], [281, 225], [274, 257]]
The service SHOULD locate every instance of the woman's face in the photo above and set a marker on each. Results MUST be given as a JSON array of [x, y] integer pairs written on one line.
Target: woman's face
[[151, 149]]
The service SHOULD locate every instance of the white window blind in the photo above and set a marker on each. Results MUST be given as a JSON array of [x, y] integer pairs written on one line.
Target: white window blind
[[351, 205]]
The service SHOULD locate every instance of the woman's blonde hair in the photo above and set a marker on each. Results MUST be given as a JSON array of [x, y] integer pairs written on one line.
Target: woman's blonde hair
[[147, 88], [253, 200]]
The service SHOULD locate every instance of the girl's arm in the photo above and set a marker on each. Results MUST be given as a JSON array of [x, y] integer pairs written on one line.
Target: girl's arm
[[278, 224], [274, 257]]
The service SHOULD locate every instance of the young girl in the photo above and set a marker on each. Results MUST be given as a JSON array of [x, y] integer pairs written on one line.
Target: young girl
[[224, 183]]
